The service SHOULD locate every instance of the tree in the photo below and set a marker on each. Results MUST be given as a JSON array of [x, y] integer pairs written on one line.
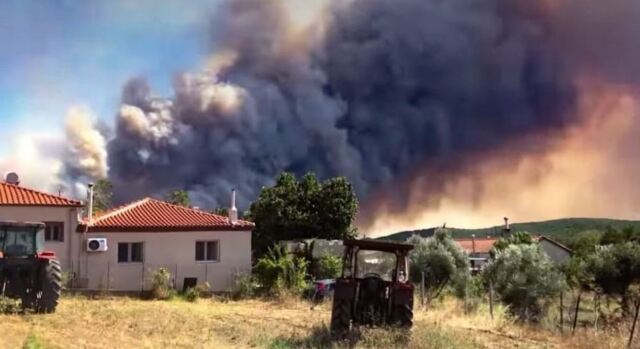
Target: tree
[[612, 236], [517, 238], [328, 267], [221, 211], [525, 279], [178, 197], [614, 268], [304, 209], [442, 261], [102, 195], [278, 271]]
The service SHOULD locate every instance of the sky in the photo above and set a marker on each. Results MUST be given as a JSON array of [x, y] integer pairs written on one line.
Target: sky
[[60, 53]]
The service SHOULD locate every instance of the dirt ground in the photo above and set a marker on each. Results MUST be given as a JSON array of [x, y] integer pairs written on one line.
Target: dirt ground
[[218, 323]]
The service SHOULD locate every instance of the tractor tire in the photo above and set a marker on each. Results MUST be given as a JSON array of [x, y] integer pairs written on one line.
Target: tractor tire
[[340, 318], [403, 316], [51, 288]]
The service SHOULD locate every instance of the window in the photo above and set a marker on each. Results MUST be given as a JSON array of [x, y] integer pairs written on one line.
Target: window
[[54, 231], [130, 252], [207, 251]]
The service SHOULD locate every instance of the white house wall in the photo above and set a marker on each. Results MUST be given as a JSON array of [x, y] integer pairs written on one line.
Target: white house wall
[[64, 250], [555, 252], [172, 250]]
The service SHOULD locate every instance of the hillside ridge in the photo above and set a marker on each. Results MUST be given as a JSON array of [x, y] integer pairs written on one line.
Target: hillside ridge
[[557, 228]]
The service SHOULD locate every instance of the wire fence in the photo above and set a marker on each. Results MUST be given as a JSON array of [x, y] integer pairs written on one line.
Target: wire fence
[[110, 276]]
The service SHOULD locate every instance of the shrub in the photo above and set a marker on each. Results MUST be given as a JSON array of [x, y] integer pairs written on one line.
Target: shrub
[[9, 306], [161, 288], [525, 279], [442, 261], [328, 267], [245, 286], [192, 294], [614, 269], [279, 272]]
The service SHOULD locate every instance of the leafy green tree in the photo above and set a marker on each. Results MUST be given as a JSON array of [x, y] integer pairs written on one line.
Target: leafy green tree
[[102, 195], [328, 267], [304, 209], [279, 272], [442, 261], [612, 236], [178, 197], [525, 279], [222, 211], [517, 238], [614, 268]]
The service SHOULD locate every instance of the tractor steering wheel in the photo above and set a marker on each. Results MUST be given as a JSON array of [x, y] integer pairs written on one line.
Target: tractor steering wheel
[[372, 275]]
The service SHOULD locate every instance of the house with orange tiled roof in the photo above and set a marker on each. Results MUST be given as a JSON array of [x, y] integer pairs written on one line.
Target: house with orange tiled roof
[[60, 215], [126, 245]]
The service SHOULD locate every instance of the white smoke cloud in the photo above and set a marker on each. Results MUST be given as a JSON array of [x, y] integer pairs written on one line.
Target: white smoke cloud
[[85, 144]]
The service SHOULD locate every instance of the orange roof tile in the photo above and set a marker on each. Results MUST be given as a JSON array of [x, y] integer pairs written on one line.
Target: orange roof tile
[[482, 245], [150, 215], [15, 195]]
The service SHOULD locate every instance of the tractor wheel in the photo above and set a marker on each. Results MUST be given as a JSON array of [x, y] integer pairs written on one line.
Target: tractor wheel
[[340, 318], [51, 288], [403, 315]]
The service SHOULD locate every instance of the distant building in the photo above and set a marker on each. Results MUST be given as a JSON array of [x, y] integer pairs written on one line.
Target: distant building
[[478, 250], [558, 252]]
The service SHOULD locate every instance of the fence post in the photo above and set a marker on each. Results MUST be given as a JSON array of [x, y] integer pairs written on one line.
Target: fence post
[[575, 316], [491, 298], [108, 276], [633, 326], [422, 290], [561, 312], [596, 308], [206, 272], [175, 278], [142, 280]]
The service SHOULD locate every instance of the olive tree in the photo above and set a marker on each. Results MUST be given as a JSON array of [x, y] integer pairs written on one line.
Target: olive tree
[[525, 279], [442, 261]]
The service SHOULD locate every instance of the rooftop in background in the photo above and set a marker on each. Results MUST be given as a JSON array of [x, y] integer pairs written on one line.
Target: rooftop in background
[[16, 195], [151, 215], [477, 245]]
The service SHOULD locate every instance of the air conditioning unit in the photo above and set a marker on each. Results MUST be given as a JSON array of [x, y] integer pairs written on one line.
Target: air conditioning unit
[[96, 245]]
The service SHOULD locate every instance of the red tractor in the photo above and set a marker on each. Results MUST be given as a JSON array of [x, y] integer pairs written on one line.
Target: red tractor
[[374, 288], [26, 272]]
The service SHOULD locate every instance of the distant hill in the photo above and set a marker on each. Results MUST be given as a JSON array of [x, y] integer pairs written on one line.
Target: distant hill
[[558, 228]]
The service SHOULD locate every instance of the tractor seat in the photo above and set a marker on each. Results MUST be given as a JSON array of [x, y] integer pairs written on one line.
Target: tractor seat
[[372, 286]]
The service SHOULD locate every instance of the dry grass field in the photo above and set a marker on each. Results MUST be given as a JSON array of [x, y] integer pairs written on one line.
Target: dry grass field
[[217, 323]]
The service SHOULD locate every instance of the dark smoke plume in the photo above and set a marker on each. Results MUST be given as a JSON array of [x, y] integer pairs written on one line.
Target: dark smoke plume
[[380, 90]]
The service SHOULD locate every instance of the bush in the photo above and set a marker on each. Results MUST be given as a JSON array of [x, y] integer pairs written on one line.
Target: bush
[[192, 294], [442, 261], [9, 306], [614, 269], [161, 287], [245, 286], [279, 272], [525, 279], [328, 267]]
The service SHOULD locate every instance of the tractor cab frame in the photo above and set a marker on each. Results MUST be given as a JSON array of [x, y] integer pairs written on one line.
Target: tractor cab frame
[[374, 287]]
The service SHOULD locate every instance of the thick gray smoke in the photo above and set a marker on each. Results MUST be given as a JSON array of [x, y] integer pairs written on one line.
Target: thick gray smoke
[[378, 91]]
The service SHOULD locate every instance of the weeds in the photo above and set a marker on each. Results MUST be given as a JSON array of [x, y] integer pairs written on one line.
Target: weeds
[[33, 342], [161, 288], [9, 306]]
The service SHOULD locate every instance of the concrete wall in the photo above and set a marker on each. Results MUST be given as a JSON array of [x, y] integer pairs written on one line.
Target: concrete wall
[[172, 250], [556, 253], [66, 250]]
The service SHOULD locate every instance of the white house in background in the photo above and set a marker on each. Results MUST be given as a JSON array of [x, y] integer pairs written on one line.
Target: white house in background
[[558, 252], [59, 214], [126, 245]]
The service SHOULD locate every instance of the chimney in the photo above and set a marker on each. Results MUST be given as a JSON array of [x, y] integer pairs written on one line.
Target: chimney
[[473, 243], [506, 230], [90, 208], [233, 211]]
